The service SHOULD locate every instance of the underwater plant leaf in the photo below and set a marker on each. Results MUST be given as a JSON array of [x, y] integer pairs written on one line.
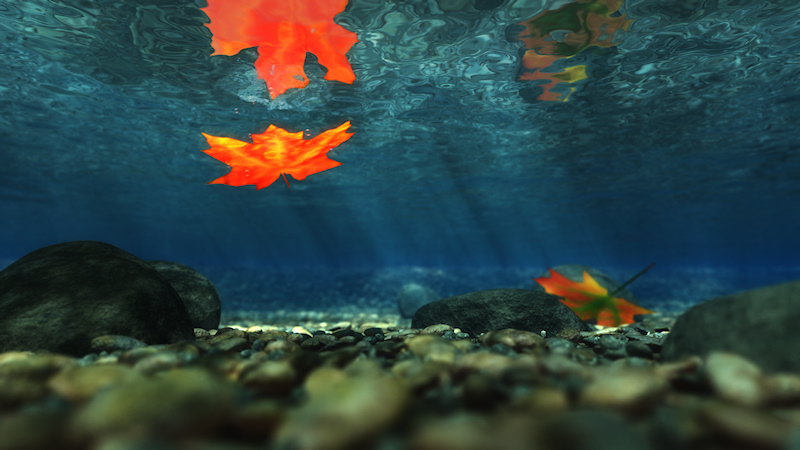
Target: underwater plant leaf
[[283, 31], [273, 153], [563, 33], [589, 300]]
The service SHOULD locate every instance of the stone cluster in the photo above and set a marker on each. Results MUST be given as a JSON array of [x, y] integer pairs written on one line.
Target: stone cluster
[[381, 386]]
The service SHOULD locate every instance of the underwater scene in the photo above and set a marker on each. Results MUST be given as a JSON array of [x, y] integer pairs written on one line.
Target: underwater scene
[[345, 224]]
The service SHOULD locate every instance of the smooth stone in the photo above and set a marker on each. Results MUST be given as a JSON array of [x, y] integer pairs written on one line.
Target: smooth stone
[[758, 324], [497, 309], [79, 384], [734, 378], [345, 409], [272, 378], [624, 388], [516, 339], [195, 290], [182, 403], [434, 348], [110, 343], [60, 297]]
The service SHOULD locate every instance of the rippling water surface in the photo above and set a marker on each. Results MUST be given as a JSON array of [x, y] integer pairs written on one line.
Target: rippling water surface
[[680, 147]]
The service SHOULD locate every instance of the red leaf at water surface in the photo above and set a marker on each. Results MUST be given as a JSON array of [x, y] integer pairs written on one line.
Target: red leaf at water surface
[[273, 153], [589, 300], [283, 31]]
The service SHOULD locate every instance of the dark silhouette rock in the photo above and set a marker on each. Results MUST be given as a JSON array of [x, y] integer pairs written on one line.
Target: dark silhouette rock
[[497, 309], [60, 297], [198, 293], [758, 324]]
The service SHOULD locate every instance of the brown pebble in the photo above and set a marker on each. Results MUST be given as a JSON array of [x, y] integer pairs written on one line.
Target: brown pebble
[[79, 384], [272, 378], [438, 329], [419, 375], [114, 342], [344, 411], [734, 378], [180, 403], [623, 388], [517, 339], [433, 348], [747, 427]]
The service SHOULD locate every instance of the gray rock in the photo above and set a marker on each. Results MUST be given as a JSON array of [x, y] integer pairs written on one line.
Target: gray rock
[[412, 297], [575, 273], [198, 293], [759, 324], [60, 297], [497, 309]]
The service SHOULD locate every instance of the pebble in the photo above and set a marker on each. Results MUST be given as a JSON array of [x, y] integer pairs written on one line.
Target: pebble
[[360, 384]]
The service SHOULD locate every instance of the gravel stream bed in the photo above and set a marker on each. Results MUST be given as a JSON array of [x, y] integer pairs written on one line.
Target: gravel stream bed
[[321, 380]]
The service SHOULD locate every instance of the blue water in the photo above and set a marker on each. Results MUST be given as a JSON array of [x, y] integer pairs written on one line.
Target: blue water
[[680, 148]]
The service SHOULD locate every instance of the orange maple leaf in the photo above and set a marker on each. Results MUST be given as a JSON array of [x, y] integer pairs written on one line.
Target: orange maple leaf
[[273, 153], [283, 31], [589, 300], [580, 24]]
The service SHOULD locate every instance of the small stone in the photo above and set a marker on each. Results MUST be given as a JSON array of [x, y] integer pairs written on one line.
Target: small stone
[[638, 349], [782, 389], [272, 378], [343, 410], [747, 427], [17, 391], [438, 329], [31, 367], [516, 339], [433, 348], [610, 346], [79, 384], [232, 344], [182, 403], [113, 342], [624, 388], [734, 378], [483, 361], [571, 334], [162, 361], [201, 333], [257, 421], [419, 375], [317, 342]]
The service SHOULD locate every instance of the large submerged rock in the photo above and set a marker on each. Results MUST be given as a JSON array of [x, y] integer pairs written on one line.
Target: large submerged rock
[[198, 293], [497, 309], [759, 324], [60, 297]]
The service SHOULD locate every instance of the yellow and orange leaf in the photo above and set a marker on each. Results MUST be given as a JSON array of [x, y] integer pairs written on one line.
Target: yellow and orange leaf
[[578, 25], [283, 31], [589, 300], [273, 153]]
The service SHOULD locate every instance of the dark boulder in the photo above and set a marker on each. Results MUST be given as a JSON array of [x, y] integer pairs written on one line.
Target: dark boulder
[[198, 293], [60, 297], [497, 309], [758, 324]]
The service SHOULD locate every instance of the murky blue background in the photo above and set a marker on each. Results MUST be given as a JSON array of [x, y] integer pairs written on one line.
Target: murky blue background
[[681, 148]]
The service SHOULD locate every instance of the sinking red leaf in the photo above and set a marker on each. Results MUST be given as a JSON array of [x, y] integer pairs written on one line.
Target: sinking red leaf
[[589, 300], [283, 31], [273, 153]]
